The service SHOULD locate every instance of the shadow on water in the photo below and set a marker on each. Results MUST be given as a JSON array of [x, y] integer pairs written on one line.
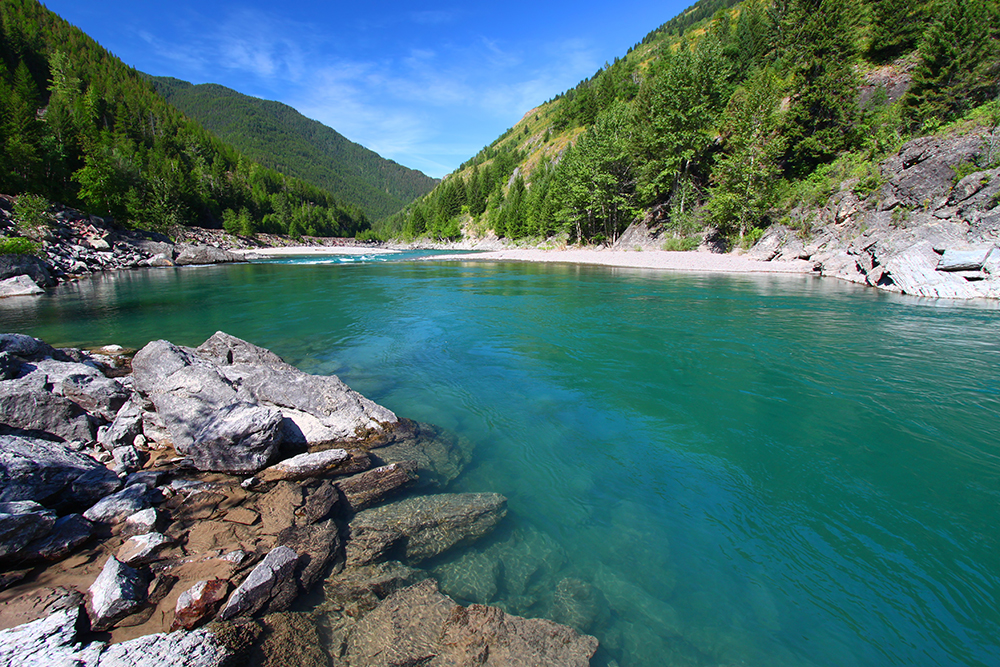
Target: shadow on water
[[700, 469]]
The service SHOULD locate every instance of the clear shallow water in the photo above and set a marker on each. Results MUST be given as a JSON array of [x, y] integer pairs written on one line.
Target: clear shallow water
[[701, 470]]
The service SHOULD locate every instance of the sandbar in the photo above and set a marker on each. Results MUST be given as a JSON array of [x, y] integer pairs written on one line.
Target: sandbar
[[707, 262]]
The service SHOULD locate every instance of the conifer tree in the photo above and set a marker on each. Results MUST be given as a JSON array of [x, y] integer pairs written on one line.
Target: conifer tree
[[958, 62]]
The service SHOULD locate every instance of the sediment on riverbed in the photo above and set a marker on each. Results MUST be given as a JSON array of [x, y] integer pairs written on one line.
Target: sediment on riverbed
[[207, 505]]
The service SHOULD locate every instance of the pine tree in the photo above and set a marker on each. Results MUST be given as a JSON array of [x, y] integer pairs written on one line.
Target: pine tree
[[896, 28], [958, 65]]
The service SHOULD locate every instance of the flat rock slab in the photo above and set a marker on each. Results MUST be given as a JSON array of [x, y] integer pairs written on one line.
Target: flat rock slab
[[418, 528], [304, 466], [420, 626], [143, 549], [19, 286], [964, 260], [374, 486]]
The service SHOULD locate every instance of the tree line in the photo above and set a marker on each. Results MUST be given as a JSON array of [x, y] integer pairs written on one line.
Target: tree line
[[712, 126], [80, 127]]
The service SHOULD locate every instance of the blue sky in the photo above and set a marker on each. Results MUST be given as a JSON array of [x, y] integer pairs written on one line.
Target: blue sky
[[424, 85]]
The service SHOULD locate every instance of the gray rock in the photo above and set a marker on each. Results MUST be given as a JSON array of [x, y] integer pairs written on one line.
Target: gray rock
[[964, 260], [322, 408], [68, 533], [10, 367], [207, 418], [21, 522], [420, 626], [118, 591], [19, 286], [418, 528], [51, 473], [126, 426], [143, 549], [53, 642], [123, 504], [473, 577], [914, 271], [140, 523], [95, 393], [270, 587], [374, 486], [199, 648], [24, 346], [27, 265], [48, 641], [127, 458], [204, 254], [304, 466], [39, 410]]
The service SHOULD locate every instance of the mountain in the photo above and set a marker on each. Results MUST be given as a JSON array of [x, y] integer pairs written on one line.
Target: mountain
[[727, 119], [279, 137], [79, 126]]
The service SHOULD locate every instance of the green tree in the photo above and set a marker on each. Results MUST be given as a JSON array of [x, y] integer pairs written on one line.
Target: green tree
[[958, 65], [745, 177], [896, 28], [597, 180]]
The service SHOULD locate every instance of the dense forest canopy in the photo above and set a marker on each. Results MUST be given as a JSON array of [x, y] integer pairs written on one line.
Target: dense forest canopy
[[281, 138], [80, 127], [722, 118]]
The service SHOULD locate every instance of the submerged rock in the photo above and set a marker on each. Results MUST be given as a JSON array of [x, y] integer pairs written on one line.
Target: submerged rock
[[420, 626], [373, 486], [440, 456], [418, 528]]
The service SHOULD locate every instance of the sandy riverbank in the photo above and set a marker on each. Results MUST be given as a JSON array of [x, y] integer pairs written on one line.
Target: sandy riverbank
[[647, 259]]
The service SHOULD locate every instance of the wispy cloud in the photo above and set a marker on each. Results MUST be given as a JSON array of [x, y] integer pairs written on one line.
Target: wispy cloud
[[418, 106]]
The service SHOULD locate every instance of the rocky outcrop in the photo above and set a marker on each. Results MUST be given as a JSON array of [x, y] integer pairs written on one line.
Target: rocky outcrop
[[186, 255], [924, 232], [420, 626], [207, 417], [185, 531]]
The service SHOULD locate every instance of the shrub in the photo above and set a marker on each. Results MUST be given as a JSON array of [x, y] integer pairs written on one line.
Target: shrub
[[17, 245], [31, 213]]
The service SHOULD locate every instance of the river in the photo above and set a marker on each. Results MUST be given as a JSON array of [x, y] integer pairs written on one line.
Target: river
[[701, 469]]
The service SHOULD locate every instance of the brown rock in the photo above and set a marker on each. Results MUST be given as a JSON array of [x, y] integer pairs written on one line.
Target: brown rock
[[321, 498], [199, 603], [420, 626], [317, 546], [241, 515], [372, 487]]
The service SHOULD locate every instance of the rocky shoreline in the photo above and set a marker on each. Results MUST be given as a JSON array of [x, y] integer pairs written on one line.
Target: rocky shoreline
[[217, 506]]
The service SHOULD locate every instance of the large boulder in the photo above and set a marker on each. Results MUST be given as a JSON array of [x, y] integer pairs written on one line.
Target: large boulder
[[421, 527], [420, 626], [208, 419], [26, 265], [19, 286], [204, 254], [51, 473], [31, 408], [321, 409], [20, 523]]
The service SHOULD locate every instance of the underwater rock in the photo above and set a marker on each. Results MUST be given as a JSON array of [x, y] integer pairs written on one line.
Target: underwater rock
[[421, 527]]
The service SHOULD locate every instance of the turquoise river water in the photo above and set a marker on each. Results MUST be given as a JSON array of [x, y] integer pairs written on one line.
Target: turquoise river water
[[701, 469]]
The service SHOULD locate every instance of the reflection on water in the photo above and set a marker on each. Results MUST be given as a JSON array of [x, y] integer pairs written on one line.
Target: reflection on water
[[701, 469]]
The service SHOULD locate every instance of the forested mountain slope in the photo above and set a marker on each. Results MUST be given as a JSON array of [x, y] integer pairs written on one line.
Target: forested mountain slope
[[729, 118], [279, 137], [79, 126]]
